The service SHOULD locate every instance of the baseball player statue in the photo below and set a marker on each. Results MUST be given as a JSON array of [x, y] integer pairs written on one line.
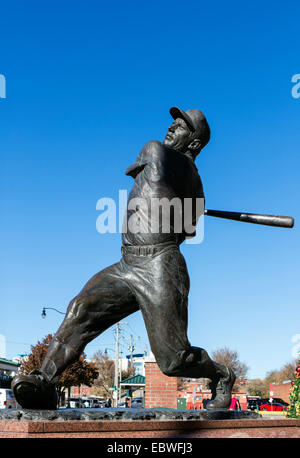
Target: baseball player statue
[[151, 276]]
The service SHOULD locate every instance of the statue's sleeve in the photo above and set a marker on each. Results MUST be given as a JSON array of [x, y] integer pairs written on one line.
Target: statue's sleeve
[[144, 158]]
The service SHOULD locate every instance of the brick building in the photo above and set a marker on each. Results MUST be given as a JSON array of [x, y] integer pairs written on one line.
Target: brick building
[[160, 390], [281, 390], [81, 391], [163, 391]]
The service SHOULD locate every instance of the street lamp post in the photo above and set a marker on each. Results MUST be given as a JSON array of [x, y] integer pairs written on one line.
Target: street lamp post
[[105, 351], [50, 308]]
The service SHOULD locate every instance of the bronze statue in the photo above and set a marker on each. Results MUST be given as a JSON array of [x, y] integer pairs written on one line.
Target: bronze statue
[[151, 276]]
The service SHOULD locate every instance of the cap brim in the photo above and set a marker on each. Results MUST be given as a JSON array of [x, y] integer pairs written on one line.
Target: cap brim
[[176, 112]]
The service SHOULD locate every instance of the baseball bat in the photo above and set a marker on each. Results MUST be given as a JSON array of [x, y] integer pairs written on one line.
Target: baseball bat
[[267, 220]]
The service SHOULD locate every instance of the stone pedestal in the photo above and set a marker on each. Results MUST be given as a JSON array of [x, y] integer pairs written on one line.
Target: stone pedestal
[[142, 423]]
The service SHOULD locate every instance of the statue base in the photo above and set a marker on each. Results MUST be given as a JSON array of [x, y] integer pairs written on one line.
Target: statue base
[[142, 423]]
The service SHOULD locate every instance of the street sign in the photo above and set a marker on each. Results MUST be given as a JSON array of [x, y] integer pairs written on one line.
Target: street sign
[[114, 389]]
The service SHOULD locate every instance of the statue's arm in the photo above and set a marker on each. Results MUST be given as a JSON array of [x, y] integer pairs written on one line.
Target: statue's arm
[[144, 158]]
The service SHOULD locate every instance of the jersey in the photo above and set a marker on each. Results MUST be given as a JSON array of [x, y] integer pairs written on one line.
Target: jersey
[[166, 185]]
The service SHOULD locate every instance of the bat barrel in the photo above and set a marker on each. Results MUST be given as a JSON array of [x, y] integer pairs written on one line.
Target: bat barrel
[[266, 220]]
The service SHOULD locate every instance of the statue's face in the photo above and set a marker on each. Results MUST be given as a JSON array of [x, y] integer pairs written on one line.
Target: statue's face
[[178, 136]]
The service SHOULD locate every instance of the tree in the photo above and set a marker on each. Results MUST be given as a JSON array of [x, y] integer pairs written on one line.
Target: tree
[[287, 371], [79, 373], [230, 358], [279, 376], [261, 387], [35, 359], [257, 387], [272, 377], [106, 371], [106, 377]]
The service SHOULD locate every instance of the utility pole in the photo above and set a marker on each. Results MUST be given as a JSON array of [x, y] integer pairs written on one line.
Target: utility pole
[[131, 348], [120, 375], [117, 363]]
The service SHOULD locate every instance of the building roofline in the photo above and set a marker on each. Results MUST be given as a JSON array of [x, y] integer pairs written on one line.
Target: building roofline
[[9, 361]]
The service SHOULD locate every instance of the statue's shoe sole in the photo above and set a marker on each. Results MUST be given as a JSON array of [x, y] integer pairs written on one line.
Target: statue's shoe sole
[[32, 393]]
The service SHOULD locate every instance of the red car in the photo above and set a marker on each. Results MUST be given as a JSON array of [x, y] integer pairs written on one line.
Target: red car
[[274, 407]]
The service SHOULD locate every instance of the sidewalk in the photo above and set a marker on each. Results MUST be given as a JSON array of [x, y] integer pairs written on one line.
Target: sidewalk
[[272, 415]]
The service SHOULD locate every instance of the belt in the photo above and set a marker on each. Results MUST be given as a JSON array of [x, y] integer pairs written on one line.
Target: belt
[[144, 250]]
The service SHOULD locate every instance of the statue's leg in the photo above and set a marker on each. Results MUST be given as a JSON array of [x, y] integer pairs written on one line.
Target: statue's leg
[[163, 299], [103, 301]]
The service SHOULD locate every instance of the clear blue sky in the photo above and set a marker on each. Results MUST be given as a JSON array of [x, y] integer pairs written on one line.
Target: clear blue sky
[[88, 84]]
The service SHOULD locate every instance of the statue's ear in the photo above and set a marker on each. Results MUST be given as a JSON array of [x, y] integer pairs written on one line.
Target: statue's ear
[[195, 145]]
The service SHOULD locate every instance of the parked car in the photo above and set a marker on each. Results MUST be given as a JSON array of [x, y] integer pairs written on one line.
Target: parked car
[[102, 404], [280, 401], [7, 399], [253, 403], [95, 403], [92, 403], [75, 403], [137, 403], [273, 407], [122, 404]]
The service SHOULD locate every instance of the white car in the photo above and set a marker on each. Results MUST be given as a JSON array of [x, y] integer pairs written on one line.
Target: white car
[[76, 403], [7, 399]]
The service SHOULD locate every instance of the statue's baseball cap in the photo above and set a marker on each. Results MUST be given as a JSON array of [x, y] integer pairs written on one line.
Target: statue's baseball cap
[[196, 121]]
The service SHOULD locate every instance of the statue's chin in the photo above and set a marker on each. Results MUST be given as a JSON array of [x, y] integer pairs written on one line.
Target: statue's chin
[[169, 144]]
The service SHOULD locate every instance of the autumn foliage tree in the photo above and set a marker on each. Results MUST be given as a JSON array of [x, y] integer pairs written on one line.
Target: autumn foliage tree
[[261, 387], [106, 369], [281, 375], [231, 359], [257, 387], [79, 373]]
